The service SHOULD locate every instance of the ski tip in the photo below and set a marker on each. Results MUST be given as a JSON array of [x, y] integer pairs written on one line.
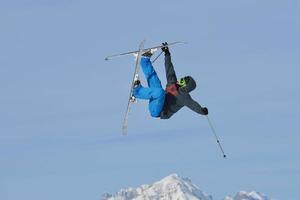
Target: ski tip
[[179, 42], [124, 130], [183, 42]]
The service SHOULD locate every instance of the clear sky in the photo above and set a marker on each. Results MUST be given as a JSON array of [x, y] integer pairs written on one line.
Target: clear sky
[[62, 105]]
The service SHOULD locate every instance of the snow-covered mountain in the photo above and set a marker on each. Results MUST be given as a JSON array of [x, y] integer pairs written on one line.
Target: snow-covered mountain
[[171, 187], [242, 195], [174, 187]]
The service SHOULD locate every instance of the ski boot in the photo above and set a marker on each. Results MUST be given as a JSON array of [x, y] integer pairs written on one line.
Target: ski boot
[[136, 84], [147, 54], [133, 99]]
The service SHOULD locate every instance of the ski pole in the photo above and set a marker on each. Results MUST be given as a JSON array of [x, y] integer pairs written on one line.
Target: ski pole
[[157, 57], [217, 139]]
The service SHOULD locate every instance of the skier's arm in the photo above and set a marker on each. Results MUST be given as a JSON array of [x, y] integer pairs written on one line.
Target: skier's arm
[[170, 72], [195, 106]]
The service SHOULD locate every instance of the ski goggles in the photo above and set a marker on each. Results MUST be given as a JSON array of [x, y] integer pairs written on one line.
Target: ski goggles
[[181, 82]]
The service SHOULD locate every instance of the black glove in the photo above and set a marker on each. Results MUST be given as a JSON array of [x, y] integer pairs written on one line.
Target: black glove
[[165, 49], [205, 111]]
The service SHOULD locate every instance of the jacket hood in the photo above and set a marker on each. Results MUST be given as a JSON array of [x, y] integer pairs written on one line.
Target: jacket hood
[[190, 84]]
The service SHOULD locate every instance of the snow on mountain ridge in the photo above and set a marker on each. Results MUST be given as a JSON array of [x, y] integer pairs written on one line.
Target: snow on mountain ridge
[[243, 195], [170, 187], [174, 187]]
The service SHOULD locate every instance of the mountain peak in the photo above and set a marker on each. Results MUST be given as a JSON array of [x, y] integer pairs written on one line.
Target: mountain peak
[[170, 187], [243, 195], [174, 179], [174, 187]]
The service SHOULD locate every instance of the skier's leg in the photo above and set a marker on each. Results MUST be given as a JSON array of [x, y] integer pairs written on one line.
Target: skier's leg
[[148, 93], [150, 73], [156, 105], [155, 93]]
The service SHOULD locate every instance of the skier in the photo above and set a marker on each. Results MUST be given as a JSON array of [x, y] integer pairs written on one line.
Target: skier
[[164, 103]]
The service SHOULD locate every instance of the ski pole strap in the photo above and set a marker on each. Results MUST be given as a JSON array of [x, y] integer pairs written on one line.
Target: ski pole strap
[[215, 134]]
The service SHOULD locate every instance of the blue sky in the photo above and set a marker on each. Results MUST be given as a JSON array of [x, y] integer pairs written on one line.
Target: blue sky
[[62, 105]]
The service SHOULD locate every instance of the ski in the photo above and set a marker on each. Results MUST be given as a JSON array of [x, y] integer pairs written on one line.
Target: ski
[[131, 98], [143, 50]]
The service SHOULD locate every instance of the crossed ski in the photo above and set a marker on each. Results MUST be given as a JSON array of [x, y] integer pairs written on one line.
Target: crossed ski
[[138, 53], [143, 50]]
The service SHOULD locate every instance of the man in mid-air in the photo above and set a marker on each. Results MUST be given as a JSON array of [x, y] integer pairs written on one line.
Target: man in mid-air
[[164, 103]]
